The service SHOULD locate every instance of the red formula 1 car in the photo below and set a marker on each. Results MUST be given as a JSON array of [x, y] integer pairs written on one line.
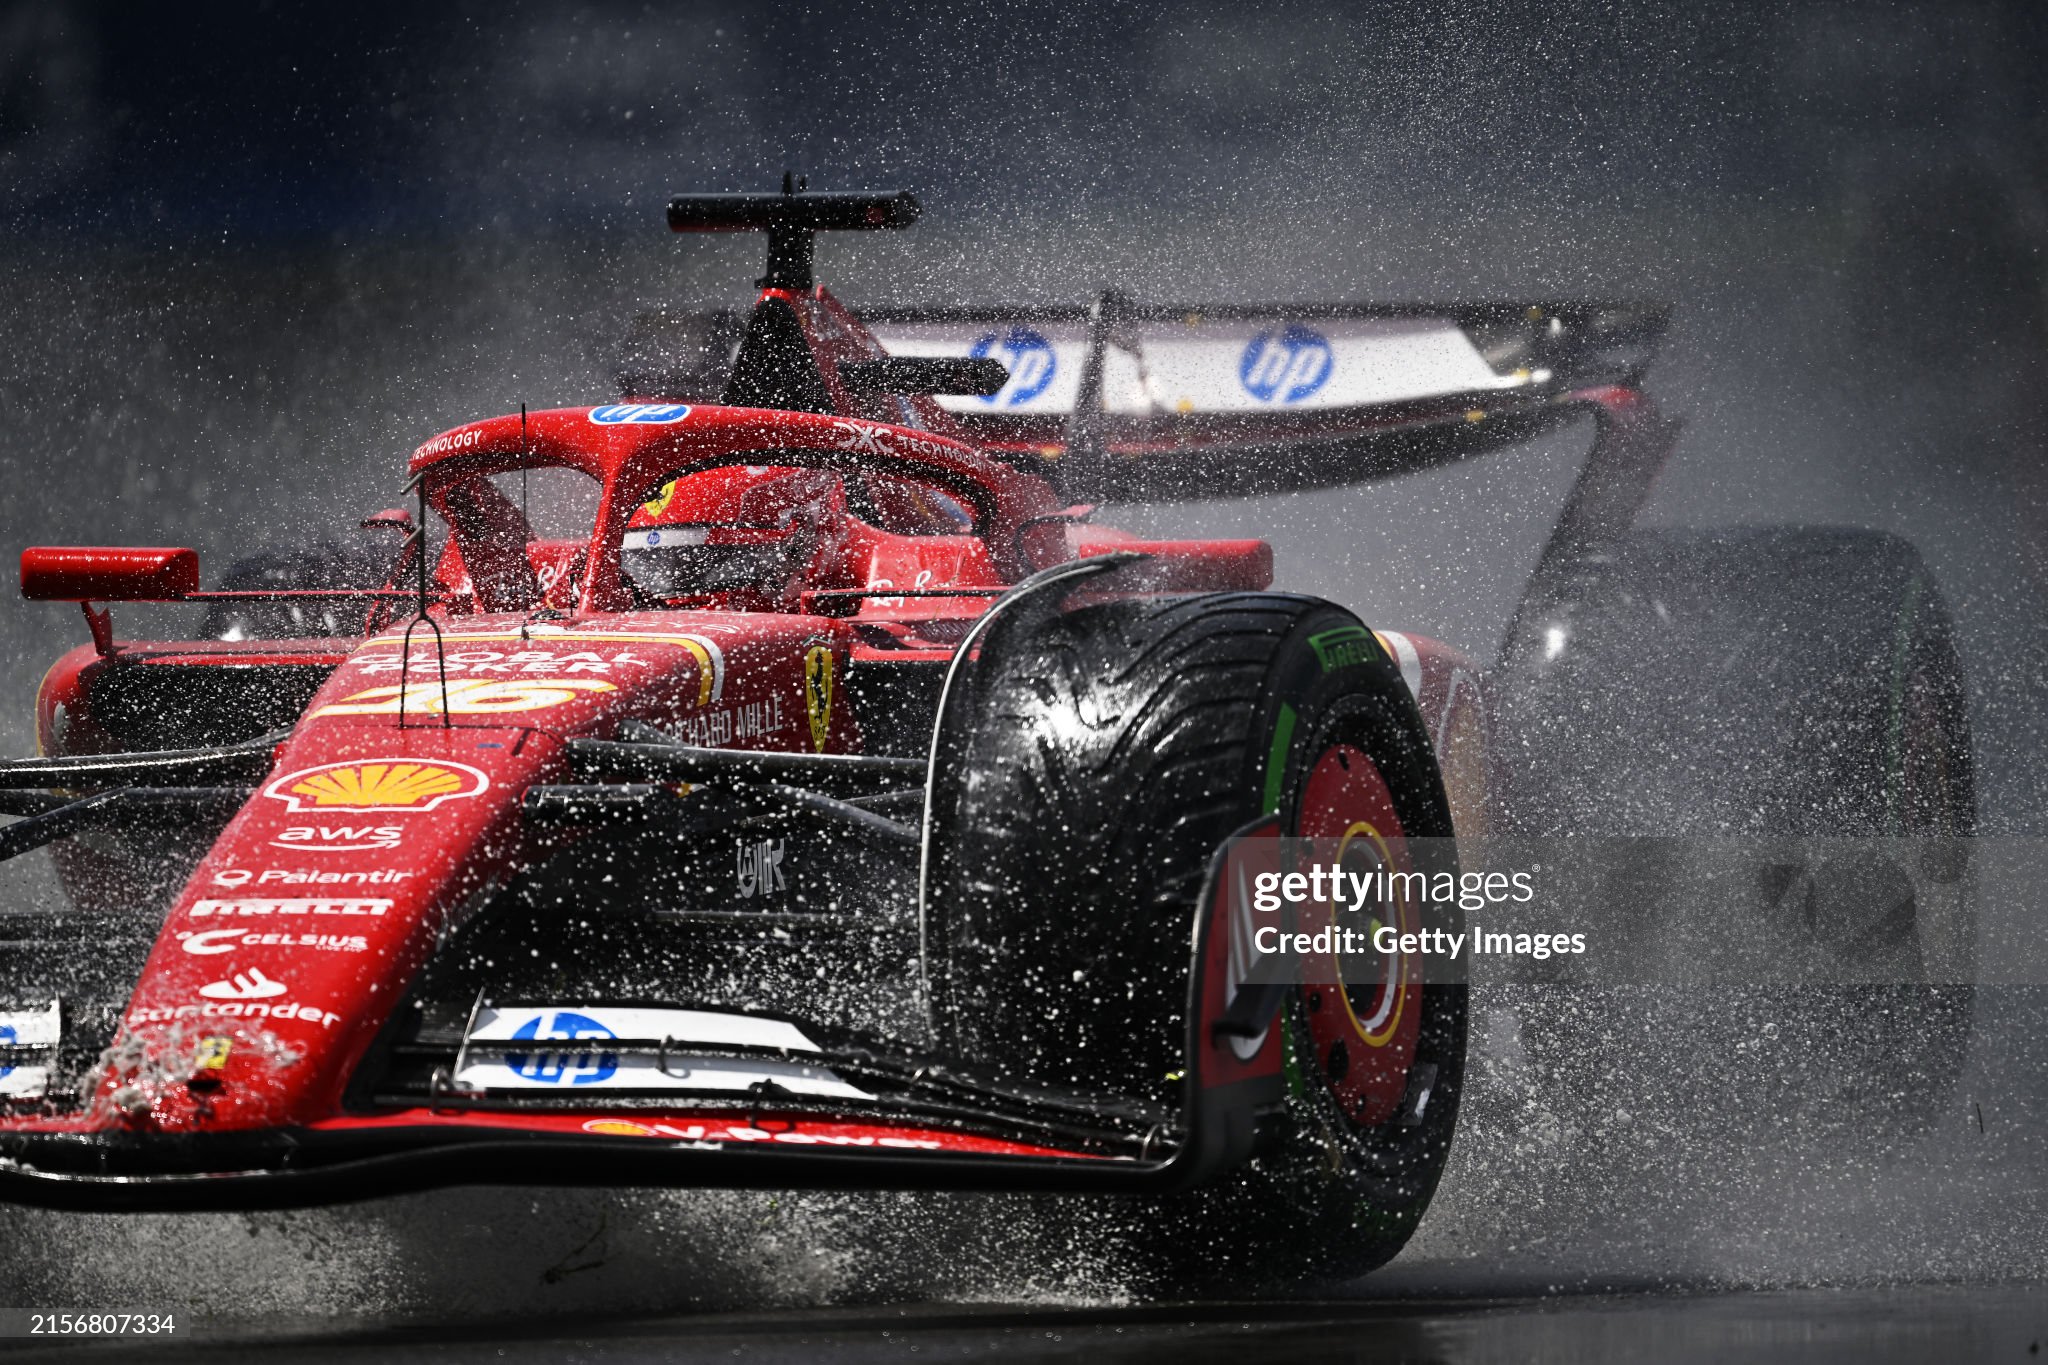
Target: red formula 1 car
[[839, 803]]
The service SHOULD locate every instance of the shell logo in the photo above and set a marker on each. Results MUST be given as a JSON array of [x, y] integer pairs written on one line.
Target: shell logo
[[619, 1128], [378, 784]]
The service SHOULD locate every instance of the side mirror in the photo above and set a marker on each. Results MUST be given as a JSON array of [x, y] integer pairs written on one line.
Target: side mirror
[[78, 573], [390, 519]]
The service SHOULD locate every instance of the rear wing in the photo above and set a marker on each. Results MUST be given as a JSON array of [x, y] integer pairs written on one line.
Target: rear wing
[[1120, 400]]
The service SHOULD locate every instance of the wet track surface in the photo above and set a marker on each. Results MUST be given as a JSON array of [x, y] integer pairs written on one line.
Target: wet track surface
[[1568, 1227], [1946, 1323]]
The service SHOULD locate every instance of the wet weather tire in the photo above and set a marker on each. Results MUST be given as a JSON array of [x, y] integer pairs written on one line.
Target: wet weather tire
[[1103, 756], [1772, 685]]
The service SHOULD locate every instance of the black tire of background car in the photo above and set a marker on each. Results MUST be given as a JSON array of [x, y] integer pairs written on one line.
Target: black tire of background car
[[318, 564], [1112, 750], [147, 708], [1766, 683]]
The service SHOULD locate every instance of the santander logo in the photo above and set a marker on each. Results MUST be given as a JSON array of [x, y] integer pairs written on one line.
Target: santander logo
[[249, 985]]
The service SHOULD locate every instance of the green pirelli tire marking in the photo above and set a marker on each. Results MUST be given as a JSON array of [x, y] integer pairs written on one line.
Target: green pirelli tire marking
[[1344, 647], [1276, 757], [1276, 773]]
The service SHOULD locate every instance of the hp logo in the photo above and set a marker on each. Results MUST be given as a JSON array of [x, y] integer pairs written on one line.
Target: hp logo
[[571, 1066], [639, 414], [1029, 357], [1286, 368]]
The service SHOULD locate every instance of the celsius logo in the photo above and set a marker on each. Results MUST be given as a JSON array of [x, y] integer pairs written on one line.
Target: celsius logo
[[210, 941], [572, 1066], [1029, 358], [1286, 368], [639, 414]]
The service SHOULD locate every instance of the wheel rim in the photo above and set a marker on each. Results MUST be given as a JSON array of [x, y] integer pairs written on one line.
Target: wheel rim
[[1362, 1034]]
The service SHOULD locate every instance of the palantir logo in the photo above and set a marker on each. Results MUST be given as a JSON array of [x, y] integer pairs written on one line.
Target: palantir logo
[[1286, 368], [1029, 358], [571, 1066], [642, 414]]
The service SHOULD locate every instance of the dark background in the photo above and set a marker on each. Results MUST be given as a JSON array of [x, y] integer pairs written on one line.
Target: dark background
[[250, 257]]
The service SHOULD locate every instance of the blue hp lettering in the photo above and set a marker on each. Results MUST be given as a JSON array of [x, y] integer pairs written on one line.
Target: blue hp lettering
[[1286, 368], [1029, 358], [7, 1035], [572, 1066]]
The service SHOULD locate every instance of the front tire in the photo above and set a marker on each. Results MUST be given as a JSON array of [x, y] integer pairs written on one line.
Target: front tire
[[1104, 755]]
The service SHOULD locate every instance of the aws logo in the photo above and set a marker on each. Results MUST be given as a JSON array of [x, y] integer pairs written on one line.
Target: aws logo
[[325, 838], [1288, 367], [1029, 358], [377, 784]]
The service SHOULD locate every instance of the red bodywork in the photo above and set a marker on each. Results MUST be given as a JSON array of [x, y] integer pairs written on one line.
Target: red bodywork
[[393, 809], [397, 804]]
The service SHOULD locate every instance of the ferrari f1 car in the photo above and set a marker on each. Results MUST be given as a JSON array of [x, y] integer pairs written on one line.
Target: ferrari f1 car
[[840, 804]]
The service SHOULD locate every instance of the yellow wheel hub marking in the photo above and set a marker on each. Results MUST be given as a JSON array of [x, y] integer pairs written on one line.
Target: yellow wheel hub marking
[[1398, 985]]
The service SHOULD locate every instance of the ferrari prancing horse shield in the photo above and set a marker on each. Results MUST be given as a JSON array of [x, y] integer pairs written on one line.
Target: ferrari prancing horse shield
[[818, 692]]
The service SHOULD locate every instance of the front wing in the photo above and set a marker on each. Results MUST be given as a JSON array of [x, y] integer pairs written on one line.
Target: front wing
[[908, 1123]]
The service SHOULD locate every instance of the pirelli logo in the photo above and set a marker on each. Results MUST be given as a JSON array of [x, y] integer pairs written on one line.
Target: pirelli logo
[[1345, 647], [356, 908]]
